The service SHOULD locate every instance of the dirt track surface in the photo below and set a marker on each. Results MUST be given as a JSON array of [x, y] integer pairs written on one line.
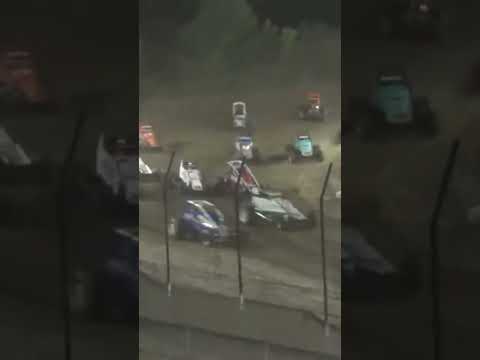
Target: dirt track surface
[[399, 182], [207, 139], [195, 118]]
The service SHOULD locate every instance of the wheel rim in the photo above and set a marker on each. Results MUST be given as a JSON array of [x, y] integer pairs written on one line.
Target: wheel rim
[[188, 235], [243, 216]]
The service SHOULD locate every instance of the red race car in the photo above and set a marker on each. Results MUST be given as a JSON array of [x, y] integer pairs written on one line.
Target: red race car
[[313, 109], [147, 138], [19, 80]]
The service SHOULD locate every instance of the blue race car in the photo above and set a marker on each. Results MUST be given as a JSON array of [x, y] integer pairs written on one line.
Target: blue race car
[[202, 221], [245, 148], [116, 280]]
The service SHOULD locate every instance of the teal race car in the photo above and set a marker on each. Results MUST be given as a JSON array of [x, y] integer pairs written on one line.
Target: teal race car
[[392, 107], [303, 148]]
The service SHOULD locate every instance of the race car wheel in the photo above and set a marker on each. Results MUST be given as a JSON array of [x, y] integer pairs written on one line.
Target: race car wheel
[[256, 155], [184, 233], [427, 125], [244, 215], [317, 153], [321, 114], [425, 117], [220, 187], [206, 242], [280, 226], [180, 232], [190, 235], [291, 156], [312, 219]]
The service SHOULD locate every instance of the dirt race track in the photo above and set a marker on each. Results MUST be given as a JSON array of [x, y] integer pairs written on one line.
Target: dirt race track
[[401, 179], [403, 175], [206, 138], [196, 120]]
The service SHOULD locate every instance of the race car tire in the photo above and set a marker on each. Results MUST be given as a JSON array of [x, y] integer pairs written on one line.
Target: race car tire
[[291, 154], [365, 128], [244, 236], [312, 219], [179, 234], [281, 226], [301, 115], [246, 215], [323, 114], [317, 153], [205, 240], [427, 125], [425, 117], [256, 155], [219, 188], [186, 234]]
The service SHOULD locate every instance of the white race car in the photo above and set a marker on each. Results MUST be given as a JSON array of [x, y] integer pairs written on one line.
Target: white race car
[[239, 113], [189, 177], [116, 166], [244, 147]]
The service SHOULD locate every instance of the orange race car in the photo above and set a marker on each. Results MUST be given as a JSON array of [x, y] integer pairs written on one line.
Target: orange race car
[[147, 138], [19, 80], [312, 109]]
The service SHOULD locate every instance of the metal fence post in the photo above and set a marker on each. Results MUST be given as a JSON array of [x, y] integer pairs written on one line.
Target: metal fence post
[[165, 220], [237, 233], [324, 257], [435, 261], [61, 208]]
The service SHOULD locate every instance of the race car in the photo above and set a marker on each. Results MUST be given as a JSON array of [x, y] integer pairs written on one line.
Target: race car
[[367, 274], [303, 149], [116, 167], [273, 209], [147, 138], [413, 19], [313, 109], [19, 80], [202, 221], [245, 148], [239, 113], [391, 107], [189, 177], [248, 183], [114, 293]]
